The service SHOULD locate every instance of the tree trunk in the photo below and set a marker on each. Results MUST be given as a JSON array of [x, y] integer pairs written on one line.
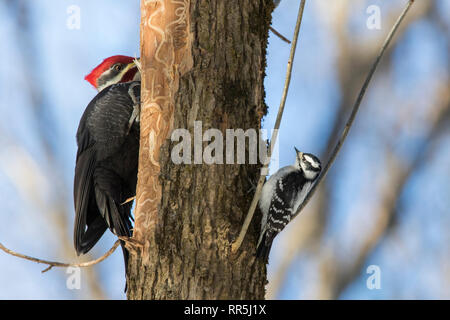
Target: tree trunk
[[201, 61]]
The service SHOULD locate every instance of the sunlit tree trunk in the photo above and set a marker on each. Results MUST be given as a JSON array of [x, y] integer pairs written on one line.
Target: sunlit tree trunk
[[202, 61]]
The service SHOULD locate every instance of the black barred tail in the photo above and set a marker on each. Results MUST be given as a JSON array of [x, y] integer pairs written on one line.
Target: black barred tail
[[264, 246], [126, 256]]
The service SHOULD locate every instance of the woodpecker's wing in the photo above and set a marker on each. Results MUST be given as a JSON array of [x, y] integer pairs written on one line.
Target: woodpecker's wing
[[108, 118], [288, 191], [101, 133], [109, 194], [108, 125], [89, 225], [285, 197]]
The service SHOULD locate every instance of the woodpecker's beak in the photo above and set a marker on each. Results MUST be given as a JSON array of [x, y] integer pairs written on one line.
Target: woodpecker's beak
[[298, 152], [137, 62]]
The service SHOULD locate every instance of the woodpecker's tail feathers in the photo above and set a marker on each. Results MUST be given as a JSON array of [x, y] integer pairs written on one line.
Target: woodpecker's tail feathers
[[116, 215], [126, 256], [264, 246], [91, 236]]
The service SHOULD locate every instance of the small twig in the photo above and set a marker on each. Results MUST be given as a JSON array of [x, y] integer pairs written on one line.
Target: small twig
[[279, 35], [355, 109], [273, 139], [52, 264]]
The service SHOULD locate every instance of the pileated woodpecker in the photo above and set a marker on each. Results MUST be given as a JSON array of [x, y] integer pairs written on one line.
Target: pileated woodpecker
[[111, 71], [107, 157]]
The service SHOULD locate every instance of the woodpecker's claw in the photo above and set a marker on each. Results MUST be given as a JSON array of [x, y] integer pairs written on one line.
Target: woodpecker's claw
[[137, 111], [135, 116], [131, 244], [252, 186]]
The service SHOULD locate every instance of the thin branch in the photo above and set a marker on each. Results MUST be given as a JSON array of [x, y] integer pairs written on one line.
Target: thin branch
[[279, 35], [336, 279], [52, 264], [273, 139], [355, 109]]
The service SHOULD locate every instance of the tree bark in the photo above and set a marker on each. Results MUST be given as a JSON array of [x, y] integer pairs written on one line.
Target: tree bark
[[202, 61]]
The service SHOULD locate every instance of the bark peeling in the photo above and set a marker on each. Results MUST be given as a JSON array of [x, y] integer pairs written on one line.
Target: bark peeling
[[165, 55]]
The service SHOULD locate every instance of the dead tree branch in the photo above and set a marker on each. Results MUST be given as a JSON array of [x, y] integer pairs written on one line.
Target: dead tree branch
[[52, 264]]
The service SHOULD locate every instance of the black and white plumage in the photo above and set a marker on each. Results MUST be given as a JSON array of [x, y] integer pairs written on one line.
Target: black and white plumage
[[106, 166], [282, 195]]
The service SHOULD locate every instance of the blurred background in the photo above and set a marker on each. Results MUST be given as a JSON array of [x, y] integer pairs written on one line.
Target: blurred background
[[384, 205]]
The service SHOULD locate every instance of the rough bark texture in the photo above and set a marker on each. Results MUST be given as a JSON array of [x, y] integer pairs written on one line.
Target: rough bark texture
[[200, 208]]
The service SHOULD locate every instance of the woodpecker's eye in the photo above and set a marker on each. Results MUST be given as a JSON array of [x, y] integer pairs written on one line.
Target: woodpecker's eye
[[118, 67]]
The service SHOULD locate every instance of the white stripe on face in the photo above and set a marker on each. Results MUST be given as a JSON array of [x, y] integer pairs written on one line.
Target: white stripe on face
[[311, 161]]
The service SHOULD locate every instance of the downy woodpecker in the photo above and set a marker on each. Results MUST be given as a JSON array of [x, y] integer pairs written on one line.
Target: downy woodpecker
[[282, 195], [107, 157]]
